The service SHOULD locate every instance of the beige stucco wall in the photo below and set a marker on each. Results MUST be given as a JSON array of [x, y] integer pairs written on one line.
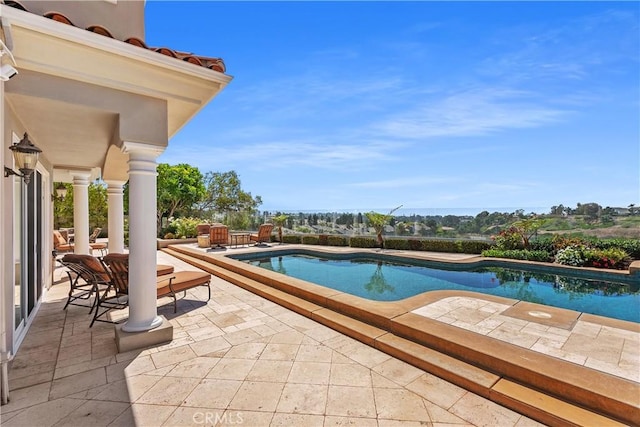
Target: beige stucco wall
[[123, 18]]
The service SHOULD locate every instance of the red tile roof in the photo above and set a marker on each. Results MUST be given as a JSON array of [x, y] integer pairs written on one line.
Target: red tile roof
[[216, 64]]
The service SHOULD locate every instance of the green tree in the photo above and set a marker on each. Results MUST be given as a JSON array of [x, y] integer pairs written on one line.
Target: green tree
[[98, 207], [179, 187], [378, 221], [224, 194], [527, 228]]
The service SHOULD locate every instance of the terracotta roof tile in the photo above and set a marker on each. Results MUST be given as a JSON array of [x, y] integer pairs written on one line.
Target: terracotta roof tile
[[216, 64]]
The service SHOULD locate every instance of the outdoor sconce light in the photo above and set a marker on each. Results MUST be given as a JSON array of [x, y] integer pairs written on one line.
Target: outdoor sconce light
[[25, 155], [61, 191]]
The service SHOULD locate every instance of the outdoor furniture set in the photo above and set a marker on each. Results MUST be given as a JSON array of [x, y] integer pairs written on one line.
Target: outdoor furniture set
[[106, 280], [217, 236], [63, 244]]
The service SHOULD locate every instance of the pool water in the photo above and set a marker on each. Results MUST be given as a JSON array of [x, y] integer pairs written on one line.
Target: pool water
[[383, 280]]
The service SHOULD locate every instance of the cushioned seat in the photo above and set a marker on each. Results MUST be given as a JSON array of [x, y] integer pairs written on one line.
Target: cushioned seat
[[181, 281], [163, 270]]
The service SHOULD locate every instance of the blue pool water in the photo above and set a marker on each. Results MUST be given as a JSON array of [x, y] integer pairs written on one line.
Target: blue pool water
[[384, 280]]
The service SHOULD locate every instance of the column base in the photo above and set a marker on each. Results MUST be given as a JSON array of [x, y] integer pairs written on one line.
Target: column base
[[127, 341]]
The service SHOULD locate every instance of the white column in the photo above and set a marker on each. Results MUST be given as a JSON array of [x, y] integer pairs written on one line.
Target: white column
[[81, 211], [143, 312], [116, 216]]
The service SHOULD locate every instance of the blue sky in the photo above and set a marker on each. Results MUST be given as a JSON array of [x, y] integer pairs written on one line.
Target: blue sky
[[437, 106]]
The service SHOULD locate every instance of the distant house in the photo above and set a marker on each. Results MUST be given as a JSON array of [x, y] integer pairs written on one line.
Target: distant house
[[621, 211], [82, 85]]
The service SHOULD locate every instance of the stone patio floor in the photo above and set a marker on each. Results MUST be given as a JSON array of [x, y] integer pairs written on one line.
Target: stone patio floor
[[236, 360]]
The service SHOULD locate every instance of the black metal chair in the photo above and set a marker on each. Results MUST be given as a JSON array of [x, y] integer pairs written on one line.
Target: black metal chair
[[86, 277]]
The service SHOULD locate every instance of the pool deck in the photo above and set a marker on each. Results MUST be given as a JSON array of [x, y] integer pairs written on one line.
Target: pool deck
[[437, 359], [516, 353]]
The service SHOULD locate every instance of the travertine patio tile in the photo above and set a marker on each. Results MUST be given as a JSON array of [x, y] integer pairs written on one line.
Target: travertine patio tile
[[128, 368], [241, 336], [336, 357], [436, 390], [381, 382], [194, 368], [210, 345], [288, 336], [351, 401], [270, 370], [440, 416], [78, 382], [314, 353], [83, 366], [247, 418], [335, 421], [322, 333], [482, 412], [143, 415], [45, 414], [303, 399], [129, 389], [398, 371], [257, 396], [172, 356], [20, 370], [350, 375], [288, 420], [264, 330], [30, 380], [212, 393], [367, 356], [310, 373], [277, 351], [102, 413], [400, 404], [25, 397], [586, 328], [250, 350], [203, 333], [231, 369], [169, 391]]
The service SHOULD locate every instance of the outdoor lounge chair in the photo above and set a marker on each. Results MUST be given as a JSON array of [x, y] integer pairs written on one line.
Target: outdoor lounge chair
[[61, 245], [263, 236], [170, 284], [218, 235], [86, 277]]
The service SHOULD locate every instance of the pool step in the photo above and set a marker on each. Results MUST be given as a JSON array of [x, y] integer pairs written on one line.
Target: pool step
[[418, 350]]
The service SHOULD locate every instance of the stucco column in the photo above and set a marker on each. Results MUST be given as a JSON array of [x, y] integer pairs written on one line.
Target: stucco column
[[116, 216], [81, 211], [143, 312]]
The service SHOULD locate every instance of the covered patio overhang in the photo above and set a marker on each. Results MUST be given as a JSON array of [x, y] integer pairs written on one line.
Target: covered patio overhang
[[78, 93], [98, 108]]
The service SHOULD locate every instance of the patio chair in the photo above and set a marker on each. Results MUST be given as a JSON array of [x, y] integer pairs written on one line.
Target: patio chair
[[93, 236], [218, 235], [61, 245], [170, 284], [263, 236], [86, 277]]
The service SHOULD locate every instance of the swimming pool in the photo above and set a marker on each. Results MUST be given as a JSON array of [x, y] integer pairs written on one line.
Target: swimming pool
[[381, 278]]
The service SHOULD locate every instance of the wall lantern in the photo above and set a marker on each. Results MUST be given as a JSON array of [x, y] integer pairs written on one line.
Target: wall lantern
[[61, 191], [25, 155]]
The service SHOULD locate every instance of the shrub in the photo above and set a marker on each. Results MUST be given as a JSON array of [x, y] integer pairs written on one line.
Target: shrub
[[401, 244], [453, 246], [474, 246], [572, 255], [337, 241], [511, 238], [630, 246], [169, 236], [323, 239], [606, 258], [291, 238], [415, 245], [310, 240], [523, 254], [186, 227], [362, 242]]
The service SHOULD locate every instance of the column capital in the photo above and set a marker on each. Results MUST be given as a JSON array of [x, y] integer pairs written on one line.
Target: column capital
[[142, 149]]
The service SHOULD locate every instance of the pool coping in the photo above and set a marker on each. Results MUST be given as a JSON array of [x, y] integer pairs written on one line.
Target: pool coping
[[391, 327]]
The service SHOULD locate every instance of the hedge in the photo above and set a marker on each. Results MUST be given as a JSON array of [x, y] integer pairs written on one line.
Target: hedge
[[337, 241], [310, 240], [291, 238], [363, 242]]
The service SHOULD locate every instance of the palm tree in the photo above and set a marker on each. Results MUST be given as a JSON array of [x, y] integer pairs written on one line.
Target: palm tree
[[279, 222], [378, 222]]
